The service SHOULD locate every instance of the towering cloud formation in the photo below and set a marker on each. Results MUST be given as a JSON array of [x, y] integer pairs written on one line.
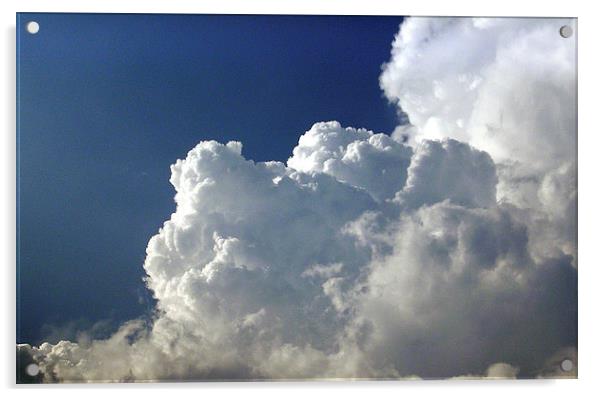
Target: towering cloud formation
[[504, 85], [365, 256]]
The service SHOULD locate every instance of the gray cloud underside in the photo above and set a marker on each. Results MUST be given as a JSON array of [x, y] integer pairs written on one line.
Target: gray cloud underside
[[367, 257]]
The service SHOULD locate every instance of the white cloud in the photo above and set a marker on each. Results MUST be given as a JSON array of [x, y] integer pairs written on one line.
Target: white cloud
[[501, 371], [455, 289], [359, 157], [310, 277], [495, 371], [363, 257], [449, 170], [504, 85]]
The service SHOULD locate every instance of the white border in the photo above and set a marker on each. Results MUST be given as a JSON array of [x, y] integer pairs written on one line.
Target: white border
[[590, 132], [351, 7]]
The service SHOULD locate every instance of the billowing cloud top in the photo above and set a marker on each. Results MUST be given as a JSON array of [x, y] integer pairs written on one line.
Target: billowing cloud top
[[504, 85], [366, 256]]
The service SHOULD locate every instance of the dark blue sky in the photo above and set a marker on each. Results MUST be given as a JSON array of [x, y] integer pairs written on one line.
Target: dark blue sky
[[108, 102]]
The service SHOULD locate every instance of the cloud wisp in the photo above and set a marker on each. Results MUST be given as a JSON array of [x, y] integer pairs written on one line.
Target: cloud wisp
[[445, 249]]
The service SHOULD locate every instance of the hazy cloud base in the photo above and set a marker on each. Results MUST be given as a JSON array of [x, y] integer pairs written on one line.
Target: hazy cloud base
[[446, 249]]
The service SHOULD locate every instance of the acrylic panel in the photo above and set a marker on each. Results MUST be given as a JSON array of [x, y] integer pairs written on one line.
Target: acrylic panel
[[279, 197]]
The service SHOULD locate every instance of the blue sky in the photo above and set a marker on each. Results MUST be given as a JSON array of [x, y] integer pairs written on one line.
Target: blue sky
[[108, 102]]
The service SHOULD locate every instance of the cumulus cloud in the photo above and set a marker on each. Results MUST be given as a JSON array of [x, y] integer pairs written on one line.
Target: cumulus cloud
[[495, 371], [366, 256], [374, 162], [504, 85], [458, 290], [449, 170]]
